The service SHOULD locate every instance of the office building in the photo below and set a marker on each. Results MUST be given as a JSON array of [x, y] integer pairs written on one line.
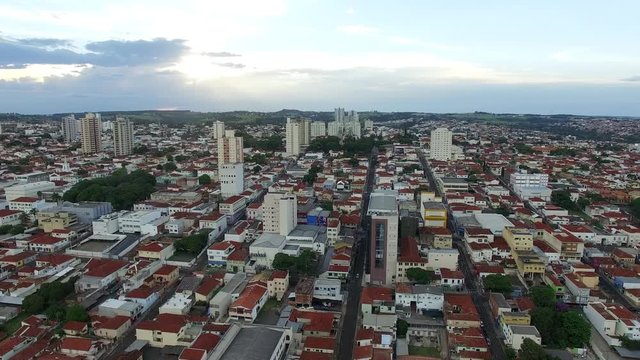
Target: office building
[[91, 133], [218, 129], [441, 141], [383, 210], [279, 213], [368, 125], [70, 129], [345, 124], [527, 186], [318, 129], [122, 137], [231, 179], [230, 148]]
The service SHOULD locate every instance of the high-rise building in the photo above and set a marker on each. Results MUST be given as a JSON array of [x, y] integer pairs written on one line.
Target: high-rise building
[[231, 178], [441, 140], [318, 129], [91, 133], [218, 129], [230, 148], [297, 136], [122, 137], [279, 213], [368, 125], [383, 210], [339, 114], [70, 129]]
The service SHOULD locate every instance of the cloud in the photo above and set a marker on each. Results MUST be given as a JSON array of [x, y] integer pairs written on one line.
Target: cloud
[[357, 29], [220, 54], [45, 42], [111, 53], [632, 78], [13, 66], [231, 65], [350, 11]]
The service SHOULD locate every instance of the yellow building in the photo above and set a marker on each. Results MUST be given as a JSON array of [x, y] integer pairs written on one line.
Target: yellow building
[[434, 214], [515, 318], [528, 263], [519, 239], [55, 220]]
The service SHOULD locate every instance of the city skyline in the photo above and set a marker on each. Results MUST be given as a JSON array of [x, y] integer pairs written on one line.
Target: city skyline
[[267, 55]]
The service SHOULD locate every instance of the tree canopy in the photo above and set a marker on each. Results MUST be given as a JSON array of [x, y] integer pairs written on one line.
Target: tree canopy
[[120, 189], [192, 244], [304, 264], [634, 207], [529, 350], [543, 296], [562, 198], [204, 179], [498, 283], [419, 276]]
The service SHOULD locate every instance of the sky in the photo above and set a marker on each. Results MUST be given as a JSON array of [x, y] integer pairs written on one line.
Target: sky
[[521, 56]]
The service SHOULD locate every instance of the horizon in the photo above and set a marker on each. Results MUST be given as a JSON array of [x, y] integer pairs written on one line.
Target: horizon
[[215, 56]]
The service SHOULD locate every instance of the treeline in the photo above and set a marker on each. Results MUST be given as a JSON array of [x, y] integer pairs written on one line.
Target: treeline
[[122, 190], [350, 146]]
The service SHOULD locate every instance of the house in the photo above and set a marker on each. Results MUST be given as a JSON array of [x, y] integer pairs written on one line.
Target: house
[[164, 330], [319, 344], [207, 288], [111, 328], [375, 299], [10, 217], [278, 284], [216, 222], [613, 321], [451, 278], [250, 302], [77, 346], [218, 253], [156, 250], [142, 295], [100, 274], [516, 334], [75, 328], [233, 208], [327, 290], [46, 243], [166, 275]]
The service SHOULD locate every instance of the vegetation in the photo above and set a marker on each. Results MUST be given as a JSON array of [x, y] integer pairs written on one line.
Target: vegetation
[[48, 300], [304, 264], [429, 351], [259, 159], [11, 229], [326, 205], [634, 208], [401, 328], [563, 151], [204, 179], [630, 344], [532, 351], [419, 276], [523, 149], [559, 329], [192, 244], [510, 353], [350, 146], [120, 189], [312, 175], [169, 166], [498, 283], [562, 198], [270, 144]]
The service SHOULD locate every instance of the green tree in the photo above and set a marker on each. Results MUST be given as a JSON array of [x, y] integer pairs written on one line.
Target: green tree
[[256, 169], [77, 312], [17, 229], [532, 351], [33, 304], [543, 296], [498, 283], [419, 276], [510, 353], [169, 166], [169, 158], [204, 179], [543, 318], [562, 198], [326, 205], [575, 328], [56, 311], [401, 328], [634, 208]]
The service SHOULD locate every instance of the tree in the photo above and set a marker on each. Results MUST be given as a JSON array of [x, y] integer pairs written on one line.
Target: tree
[[562, 198], [634, 208], [17, 229], [169, 166], [419, 276], [575, 328], [529, 350], [543, 296], [204, 179], [326, 205], [401, 328], [122, 191], [510, 353], [77, 312], [543, 319], [56, 311], [498, 283], [33, 304], [257, 169], [169, 158]]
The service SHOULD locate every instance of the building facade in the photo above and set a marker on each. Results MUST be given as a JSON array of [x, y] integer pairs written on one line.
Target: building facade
[[91, 133], [123, 137]]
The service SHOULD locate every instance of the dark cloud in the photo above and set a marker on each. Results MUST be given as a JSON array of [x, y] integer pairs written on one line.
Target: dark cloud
[[112, 53], [231, 65], [220, 54], [632, 78], [44, 42]]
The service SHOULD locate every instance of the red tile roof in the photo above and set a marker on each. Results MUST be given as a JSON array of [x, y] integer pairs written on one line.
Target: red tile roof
[[317, 342], [166, 270], [251, 295], [374, 293], [77, 344]]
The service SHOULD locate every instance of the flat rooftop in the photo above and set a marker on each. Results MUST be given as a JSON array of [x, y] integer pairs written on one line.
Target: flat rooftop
[[382, 203], [253, 343]]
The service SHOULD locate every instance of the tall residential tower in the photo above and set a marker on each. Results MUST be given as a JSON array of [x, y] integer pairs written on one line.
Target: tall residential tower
[[122, 137], [91, 133]]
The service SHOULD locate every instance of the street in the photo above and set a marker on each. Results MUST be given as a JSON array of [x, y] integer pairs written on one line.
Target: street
[[350, 319]]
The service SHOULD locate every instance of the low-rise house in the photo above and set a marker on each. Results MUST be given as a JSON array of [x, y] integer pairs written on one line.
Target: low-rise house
[[166, 275], [164, 330], [156, 250], [278, 284], [613, 321], [111, 328], [250, 302], [77, 346], [419, 297]]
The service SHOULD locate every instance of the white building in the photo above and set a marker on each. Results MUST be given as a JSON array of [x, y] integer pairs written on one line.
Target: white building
[[123, 137], [28, 204], [70, 130], [528, 186], [613, 321], [178, 304], [327, 289], [516, 334], [318, 129], [33, 189], [334, 128], [422, 296], [231, 179], [218, 129], [133, 221], [441, 141], [91, 133], [368, 125], [443, 258], [106, 224], [279, 213], [383, 209], [297, 136]]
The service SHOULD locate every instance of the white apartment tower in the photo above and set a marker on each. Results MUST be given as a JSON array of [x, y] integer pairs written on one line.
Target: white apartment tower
[[231, 178], [279, 213], [122, 137], [70, 129], [91, 133], [383, 210], [318, 129], [230, 148], [218, 129], [441, 140], [297, 136]]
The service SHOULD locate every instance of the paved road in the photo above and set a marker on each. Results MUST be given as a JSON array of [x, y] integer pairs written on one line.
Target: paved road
[[354, 288], [428, 173], [482, 304]]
